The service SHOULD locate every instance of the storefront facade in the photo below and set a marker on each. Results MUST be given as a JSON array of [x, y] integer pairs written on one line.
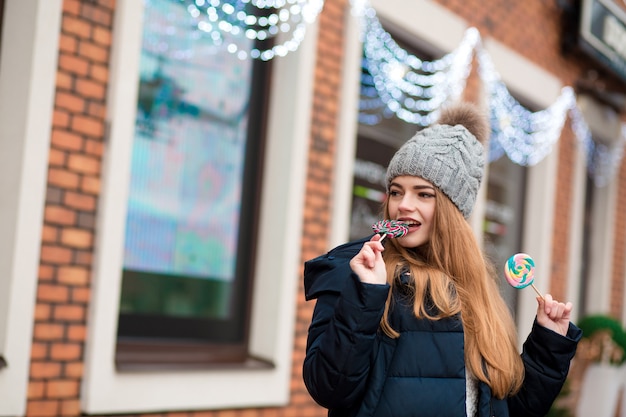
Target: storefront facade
[[162, 193]]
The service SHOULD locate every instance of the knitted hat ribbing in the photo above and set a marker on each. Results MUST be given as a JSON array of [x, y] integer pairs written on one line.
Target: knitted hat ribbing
[[450, 157]]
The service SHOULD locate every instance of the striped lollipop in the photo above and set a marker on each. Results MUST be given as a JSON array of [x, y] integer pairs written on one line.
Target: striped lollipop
[[391, 228], [519, 271]]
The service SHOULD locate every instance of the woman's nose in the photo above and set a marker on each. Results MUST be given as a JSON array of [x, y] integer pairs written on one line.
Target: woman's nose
[[405, 204]]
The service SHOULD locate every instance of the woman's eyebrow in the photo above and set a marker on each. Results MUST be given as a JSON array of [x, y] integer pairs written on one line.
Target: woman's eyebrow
[[424, 187], [415, 187]]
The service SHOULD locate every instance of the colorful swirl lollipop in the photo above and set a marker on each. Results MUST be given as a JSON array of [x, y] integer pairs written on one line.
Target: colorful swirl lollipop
[[519, 271], [390, 228]]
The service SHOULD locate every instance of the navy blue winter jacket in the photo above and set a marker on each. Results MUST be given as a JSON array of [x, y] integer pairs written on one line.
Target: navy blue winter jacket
[[355, 370]]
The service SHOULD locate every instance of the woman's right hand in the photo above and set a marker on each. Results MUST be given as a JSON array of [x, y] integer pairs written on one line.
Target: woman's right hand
[[368, 264]]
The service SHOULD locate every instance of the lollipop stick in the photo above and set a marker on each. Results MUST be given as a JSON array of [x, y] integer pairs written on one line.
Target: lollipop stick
[[537, 291], [383, 238]]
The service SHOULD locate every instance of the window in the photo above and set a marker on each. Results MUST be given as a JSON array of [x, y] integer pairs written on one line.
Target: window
[[504, 218], [598, 202], [193, 197], [106, 388], [597, 247]]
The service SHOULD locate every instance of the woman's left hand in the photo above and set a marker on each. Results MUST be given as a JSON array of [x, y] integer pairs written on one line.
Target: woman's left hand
[[553, 315]]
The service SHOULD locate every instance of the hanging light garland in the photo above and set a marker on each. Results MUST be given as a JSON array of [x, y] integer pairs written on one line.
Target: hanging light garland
[[603, 161], [399, 83], [526, 137], [227, 21]]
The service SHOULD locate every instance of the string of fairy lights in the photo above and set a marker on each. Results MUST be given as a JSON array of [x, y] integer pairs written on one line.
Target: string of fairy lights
[[396, 83], [412, 89], [226, 21], [525, 137]]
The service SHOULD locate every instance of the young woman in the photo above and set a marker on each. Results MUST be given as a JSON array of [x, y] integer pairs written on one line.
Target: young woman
[[416, 327]]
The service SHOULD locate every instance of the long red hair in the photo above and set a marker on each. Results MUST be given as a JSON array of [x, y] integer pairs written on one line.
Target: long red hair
[[452, 269]]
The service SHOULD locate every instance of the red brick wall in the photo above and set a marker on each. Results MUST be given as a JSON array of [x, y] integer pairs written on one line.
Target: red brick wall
[[72, 192]]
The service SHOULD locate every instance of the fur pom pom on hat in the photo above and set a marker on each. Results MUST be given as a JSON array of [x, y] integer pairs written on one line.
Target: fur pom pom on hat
[[448, 154]]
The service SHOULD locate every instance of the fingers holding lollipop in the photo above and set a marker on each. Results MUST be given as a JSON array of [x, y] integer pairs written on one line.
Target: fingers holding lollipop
[[519, 272], [368, 264]]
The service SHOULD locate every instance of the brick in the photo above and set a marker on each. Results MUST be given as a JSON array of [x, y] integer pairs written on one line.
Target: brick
[[55, 255], [71, 7], [107, 4], [76, 238], [70, 102], [73, 369], [59, 215], [88, 125], [102, 36], [69, 313], [76, 26], [65, 351], [80, 201], [87, 220], [93, 52], [73, 275], [91, 89], [76, 333], [52, 293], [63, 178], [83, 257], [96, 14], [56, 158], [93, 147], [62, 389], [42, 408], [80, 295], [99, 73], [62, 139], [96, 109], [90, 185], [41, 370], [73, 65], [84, 164], [70, 407]]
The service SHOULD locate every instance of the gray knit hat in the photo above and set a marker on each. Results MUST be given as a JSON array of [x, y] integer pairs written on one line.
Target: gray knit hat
[[448, 155]]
